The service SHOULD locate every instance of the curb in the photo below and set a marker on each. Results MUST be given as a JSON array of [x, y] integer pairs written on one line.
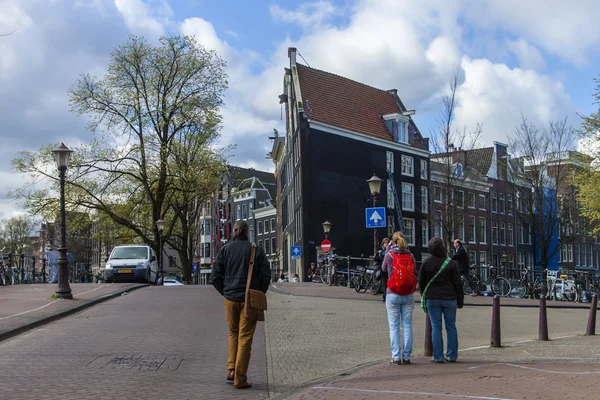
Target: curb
[[65, 313], [533, 304]]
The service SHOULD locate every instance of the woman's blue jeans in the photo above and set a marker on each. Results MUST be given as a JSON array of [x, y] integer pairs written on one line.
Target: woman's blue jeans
[[400, 307], [447, 308]]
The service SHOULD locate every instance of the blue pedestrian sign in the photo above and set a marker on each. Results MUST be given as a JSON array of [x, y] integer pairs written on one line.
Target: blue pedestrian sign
[[376, 217], [194, 267], [296, 251]]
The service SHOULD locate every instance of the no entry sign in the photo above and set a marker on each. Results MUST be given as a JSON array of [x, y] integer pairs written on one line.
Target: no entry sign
[[325, 246]]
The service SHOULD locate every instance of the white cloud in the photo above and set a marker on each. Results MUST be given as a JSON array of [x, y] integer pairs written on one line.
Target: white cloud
[[527, 54], [495, 95], [139, 19], [307, 15]]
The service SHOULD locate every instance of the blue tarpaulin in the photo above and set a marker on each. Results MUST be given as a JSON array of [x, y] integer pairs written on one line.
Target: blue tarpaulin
[[52, 257]]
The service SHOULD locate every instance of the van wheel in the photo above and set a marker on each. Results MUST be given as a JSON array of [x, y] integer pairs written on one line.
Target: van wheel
[[148, 276]]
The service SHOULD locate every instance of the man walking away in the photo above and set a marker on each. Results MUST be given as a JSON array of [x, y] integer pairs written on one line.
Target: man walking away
[[462, 259], [229, 277]]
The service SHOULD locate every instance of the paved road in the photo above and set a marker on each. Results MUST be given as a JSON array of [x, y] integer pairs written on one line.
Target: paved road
[[155, 343]]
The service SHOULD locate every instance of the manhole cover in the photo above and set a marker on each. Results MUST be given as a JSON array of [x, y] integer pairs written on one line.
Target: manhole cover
[[140, 363]]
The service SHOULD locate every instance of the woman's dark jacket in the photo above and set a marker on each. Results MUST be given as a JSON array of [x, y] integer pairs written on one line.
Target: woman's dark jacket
[[447, 286], [230, 270]]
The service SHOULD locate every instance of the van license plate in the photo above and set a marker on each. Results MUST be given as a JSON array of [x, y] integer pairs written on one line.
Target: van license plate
[[124, 271]]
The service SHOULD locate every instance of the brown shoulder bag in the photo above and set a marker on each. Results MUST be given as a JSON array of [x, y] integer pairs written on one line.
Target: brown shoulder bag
[[256, 301]]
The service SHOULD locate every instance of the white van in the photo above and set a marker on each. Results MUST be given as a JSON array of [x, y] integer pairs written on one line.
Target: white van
[[131, 263]]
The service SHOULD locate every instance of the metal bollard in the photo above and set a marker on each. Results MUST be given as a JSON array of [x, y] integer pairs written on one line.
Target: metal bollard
[[591, 326], [428, 349], [495, 336], [543, 322]]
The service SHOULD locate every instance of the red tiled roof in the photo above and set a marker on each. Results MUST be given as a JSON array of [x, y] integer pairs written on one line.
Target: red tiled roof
[[345, 103]]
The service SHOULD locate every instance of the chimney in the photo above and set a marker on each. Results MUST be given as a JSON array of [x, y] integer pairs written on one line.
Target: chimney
[[292, 56], [451, 148]]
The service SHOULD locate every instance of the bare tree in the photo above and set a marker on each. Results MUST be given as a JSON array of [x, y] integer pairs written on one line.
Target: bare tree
[[447, 142], [15, 234], [545, 164]]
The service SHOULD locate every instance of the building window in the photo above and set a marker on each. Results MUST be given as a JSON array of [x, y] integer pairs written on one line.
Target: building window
[[510, 235], [438, 225], [273, 246], [260, 227], [424, 174], [520, 261], [409, 231], [424, 199], [482, 233], [244, 212], [238, 214], [206, 227], [509, 204], [460, 198], [472, 257], [402, 136], [408, 197], [252, 238], [502, 233], [206, 252], [471, 200], [460, 228], [494, 232], [437, 194], [250, 208], [482, 258], [424, 233], [407, 166], [390, 195], [389, 161], [494, 202], [502, 205], [472, 228], [273, 227], [570, 252], [482, 202], [260, 244], [267, 246]]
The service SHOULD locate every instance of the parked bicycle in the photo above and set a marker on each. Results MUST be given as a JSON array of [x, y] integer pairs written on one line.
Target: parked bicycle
[[525, 288], [368, 278], [560, 288], [498, 284]]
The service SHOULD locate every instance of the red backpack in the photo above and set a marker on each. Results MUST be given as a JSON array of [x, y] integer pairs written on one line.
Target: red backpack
[[402, 280]]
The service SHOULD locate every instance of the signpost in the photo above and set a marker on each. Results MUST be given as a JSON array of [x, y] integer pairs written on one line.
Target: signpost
[[325, 246], [375, 217], [296, 252]]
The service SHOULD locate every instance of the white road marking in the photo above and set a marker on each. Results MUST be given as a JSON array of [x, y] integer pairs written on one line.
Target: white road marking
[[89, 291], [28, 311], [463, 396], [474, 348], [539, 369]]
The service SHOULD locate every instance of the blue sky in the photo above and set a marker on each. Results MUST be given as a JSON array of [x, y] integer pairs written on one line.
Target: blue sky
[[537, 58]]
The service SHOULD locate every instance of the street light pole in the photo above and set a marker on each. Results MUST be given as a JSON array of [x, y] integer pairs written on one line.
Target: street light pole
[[160, 224], [62, 155], [374, 188]]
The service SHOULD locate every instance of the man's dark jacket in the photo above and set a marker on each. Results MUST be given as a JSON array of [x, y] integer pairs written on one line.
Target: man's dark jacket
[[230, 270], [462, 259], [447, 286]]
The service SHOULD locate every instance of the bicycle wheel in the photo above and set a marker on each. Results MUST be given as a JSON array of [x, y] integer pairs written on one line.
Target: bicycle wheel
[[501, 286], [466, 288], [519, 289], [357, 283], [375, 287], [571, 294]]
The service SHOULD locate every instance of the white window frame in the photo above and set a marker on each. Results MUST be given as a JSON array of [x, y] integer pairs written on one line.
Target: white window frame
[[472, 196], [509, 204], [501, 203], [273, 225], [482, 232], [408, 165], [389, 161], [238, 210], [389, 194], [460, 229], [473, 229], [502, 233], [409, 231], [495, 230], [412, 196], [438, 224], [424, 233], [511, 235], [461, 198], [424, 199], [260, 228], [494, 202], [482, 200], [424, 172], [250, 209], [439, 190], [402, 130], [482, 258]]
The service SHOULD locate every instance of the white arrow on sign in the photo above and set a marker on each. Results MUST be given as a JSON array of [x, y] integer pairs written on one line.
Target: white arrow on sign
[[296, 251], [375, 217]]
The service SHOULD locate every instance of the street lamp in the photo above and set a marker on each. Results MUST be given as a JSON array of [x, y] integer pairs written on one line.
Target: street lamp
[[160, 224], [62, 155], [326, 228], [375, 187]]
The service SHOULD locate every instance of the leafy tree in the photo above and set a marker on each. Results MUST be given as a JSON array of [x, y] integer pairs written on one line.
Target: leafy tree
[[15, 234], [150, 98]]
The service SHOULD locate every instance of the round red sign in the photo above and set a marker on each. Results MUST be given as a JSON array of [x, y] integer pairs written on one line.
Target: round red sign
[[325, 246]]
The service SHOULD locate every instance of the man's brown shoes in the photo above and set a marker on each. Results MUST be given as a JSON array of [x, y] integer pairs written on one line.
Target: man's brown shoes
[[244, 385], [230, 375]]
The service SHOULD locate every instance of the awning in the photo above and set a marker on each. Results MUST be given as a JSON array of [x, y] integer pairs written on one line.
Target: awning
[[585, 268]]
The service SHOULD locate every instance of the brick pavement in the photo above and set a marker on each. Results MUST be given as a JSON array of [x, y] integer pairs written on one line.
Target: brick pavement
[[25, 307], [313, 289], [544, 373], [312, 337], [155, 343]]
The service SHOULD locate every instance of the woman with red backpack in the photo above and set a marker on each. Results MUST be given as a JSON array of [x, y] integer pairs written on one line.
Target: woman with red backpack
[[399, 264]]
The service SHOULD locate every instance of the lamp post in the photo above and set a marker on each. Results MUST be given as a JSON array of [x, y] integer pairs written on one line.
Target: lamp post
[[375, 187], [62, 155], [160, 224], [326, 228]]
